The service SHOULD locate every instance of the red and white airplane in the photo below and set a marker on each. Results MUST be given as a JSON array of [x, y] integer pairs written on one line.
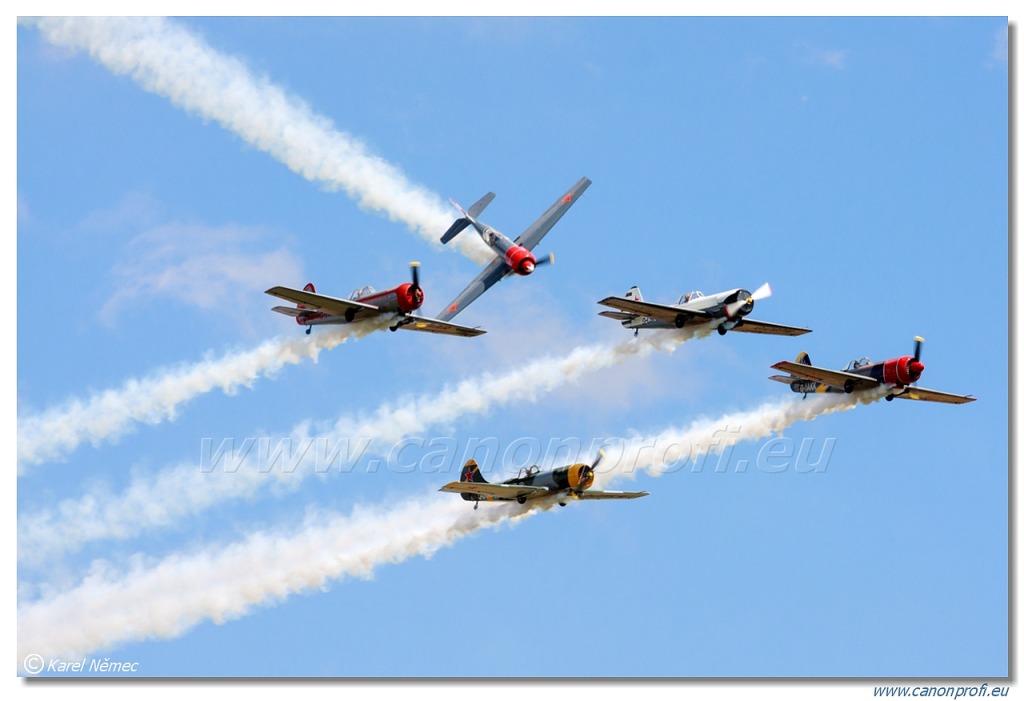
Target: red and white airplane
[[898, 374], [313, 309], [512, 257]]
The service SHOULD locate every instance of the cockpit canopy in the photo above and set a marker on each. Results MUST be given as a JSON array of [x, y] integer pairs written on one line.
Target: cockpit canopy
[[529, 471], [362, 292], [859, 363], [690, 296]]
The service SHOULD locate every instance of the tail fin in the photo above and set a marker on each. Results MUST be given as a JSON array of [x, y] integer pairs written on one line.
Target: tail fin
[[634, 294], [467, 219], [480, 205], [803, 358], [308, 288], [471, 473]]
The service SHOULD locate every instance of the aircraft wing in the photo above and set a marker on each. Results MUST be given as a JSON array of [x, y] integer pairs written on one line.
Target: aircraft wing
[[835, 378], [494, 272], [597, 494], [931, 395], [537, 230], [422, 323], [347, 308], [661, 312], [751, 326], [495, 491]]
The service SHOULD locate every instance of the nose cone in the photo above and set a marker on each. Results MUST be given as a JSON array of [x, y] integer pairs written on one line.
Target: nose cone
[[586, 477], [916, 368], [527, 267]]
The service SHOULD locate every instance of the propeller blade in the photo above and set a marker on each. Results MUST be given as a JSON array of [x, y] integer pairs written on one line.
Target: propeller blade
[[762, 292], [415, 267], [546, 260], [917, 348], [600, 456]]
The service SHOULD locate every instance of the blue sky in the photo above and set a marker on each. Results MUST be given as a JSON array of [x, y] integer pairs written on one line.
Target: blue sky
[[859, 165]]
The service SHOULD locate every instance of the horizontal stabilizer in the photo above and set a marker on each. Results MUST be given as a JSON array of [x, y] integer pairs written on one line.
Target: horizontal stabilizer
[[290, 311], [618, 316], [784, 379], [455, 228]]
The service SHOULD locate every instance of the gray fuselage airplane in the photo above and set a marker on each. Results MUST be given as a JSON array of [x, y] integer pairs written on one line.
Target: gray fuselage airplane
[[729, 309], [899, 374], [513, 257], [366, 303], [568, 482]]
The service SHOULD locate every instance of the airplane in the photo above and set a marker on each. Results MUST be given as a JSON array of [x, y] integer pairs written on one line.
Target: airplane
[[898, 374], [365, 303], [569, 482], [731, 307], [513, 256]]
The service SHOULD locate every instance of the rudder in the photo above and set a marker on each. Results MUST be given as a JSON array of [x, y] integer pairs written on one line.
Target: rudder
[[471, 473], [310, 287]]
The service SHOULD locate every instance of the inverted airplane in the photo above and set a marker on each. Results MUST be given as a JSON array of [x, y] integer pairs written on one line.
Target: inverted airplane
[[569, 482], [729, 309], [513, 257], [899, 374], [366, 303]]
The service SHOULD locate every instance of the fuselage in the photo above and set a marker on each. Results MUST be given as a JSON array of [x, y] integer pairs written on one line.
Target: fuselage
[[895, 372], [518, 258], [717, 305], [404, 299], [571, 478]]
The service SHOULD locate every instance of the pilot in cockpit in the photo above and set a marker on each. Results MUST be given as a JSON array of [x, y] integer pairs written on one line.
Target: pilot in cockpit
[[858, 363]]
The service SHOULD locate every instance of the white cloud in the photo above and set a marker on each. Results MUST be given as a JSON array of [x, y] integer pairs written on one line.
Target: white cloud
[[211, 268], [830, 58], [1001, 49]]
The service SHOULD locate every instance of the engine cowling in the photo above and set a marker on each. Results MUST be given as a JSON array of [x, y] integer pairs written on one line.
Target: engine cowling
[[739, 304], [409, 297], [902, 371], [580, 477], [520, 260]]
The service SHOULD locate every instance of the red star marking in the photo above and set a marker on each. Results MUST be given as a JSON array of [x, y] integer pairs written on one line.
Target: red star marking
[[567, 198], [453, 307]]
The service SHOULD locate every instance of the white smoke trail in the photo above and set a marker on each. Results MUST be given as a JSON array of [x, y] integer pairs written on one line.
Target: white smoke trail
[[164, 58], [673, 447], [187, 489], [167, 598], [108, 415]]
